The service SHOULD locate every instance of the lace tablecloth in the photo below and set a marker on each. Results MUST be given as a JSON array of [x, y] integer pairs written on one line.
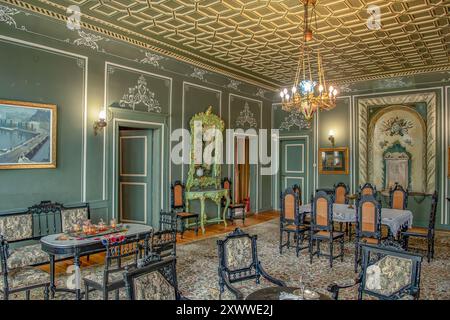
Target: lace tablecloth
[[394, 219]]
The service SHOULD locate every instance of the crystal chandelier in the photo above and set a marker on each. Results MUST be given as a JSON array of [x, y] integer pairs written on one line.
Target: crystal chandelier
[[308, 94]]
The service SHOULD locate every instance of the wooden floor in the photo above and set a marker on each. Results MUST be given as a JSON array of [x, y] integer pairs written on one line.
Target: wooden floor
[[189, 236]]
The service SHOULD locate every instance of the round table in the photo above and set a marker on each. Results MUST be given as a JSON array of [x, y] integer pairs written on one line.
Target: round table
[[273, 293]]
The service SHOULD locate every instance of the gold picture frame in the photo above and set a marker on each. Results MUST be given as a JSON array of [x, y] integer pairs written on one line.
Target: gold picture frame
[[334, 160], [29, 135]]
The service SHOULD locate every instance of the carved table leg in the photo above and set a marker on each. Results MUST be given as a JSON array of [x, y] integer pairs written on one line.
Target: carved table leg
[[202, 214], [225, 210], [52, 276], [76, 262]]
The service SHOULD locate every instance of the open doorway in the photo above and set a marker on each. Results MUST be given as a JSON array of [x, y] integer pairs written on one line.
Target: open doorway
[[245, 185]]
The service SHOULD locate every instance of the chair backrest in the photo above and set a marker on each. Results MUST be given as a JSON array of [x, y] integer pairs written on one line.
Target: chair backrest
[[120, 252], [340, 193], [398, 197], [289, 206], [238, 256], [389, 273], [70, 216], [367, 189], [16, 226], [298, 191], [432, 219], [153, 279], [178, 195], [368, 218], [322, 212], [164, 242], [167, 220], [226, 184]]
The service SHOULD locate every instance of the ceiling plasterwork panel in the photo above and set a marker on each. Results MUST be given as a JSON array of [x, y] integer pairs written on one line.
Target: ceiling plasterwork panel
[[259, 41]]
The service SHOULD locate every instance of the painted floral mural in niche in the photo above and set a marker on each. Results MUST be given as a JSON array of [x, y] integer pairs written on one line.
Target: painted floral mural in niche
[[401, 131]]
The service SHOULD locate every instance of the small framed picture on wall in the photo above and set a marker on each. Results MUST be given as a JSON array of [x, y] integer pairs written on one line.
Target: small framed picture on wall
[[334, 160]]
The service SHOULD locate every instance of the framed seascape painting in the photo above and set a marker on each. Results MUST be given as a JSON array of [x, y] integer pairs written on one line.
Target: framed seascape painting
[[27, 135], [333, 161]]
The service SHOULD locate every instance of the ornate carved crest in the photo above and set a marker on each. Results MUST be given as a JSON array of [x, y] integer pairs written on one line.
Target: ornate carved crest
[[246, 116], [88, 39], [152, 59], [140, 94], [199, 74], [396, 126], [295, 118]]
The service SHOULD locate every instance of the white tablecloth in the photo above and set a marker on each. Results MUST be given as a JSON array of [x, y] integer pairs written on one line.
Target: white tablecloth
[[394, 219]]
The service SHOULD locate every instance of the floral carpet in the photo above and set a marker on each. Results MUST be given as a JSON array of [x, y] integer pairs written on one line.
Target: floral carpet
[[197, 265]]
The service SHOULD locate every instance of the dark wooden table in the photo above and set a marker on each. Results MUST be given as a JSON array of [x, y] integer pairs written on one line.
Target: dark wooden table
[[273, 293]]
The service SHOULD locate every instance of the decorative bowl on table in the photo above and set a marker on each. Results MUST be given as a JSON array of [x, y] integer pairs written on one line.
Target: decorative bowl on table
[[352, 197]]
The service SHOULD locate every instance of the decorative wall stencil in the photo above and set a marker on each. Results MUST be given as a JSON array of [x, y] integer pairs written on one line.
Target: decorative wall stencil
[[261, 93], [6, 14], [140, 94], [152, 59], [111, 69], [295, 118], [396, 126], [397, 145], [234, 84], [393, 83], [88, 39], [364, 104], [199, 74], [345, 88], [246, 116]]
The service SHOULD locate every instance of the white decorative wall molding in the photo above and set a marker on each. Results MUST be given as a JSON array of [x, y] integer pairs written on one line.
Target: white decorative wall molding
[[295, 118], [88, 40], [404, 99], [151, 59], [6, 15], [199, 74], [246, 116], [234, 84], [140, 94]]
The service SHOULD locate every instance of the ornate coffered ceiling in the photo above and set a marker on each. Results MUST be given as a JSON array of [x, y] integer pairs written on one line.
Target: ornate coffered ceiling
[[258, 40]]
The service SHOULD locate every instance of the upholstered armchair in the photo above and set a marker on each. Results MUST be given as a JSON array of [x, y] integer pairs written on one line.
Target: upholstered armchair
[[154, 278], [292, 221], [428, 234], [398, 197], [238, 261], [388, 273], [16, 273]]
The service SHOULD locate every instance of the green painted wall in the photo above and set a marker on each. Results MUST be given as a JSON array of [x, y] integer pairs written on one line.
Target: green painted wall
[[43, 61]]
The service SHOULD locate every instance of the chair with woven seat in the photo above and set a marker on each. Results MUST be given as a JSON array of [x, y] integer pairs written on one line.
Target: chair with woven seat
[[20, 278], [238, 261], [178, 205], [233, 207], [388, 273], [367, 189], [368, 224], [341, 192], [154, 278], [428, 233], [120, 253], [322, 228], [398, 197], [291, 221]]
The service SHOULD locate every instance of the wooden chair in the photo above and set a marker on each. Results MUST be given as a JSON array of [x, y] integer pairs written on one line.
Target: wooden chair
[[178, 205], [428, 234], [298, 191], [367, 189], [233, 207], [238, 261], [398, 197], [388, 273], [322, 228], [341, 191], [153, 278], [368, 224], [120, 252], [291, 221]]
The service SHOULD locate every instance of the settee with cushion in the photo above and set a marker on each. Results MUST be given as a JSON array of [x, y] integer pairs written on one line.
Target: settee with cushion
[[20, 248]]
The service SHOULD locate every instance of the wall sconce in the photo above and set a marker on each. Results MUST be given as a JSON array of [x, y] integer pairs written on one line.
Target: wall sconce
[[331, 135], [100, 123]]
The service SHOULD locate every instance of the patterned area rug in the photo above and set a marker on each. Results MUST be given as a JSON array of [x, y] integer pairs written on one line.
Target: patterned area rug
[[197, 265]]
